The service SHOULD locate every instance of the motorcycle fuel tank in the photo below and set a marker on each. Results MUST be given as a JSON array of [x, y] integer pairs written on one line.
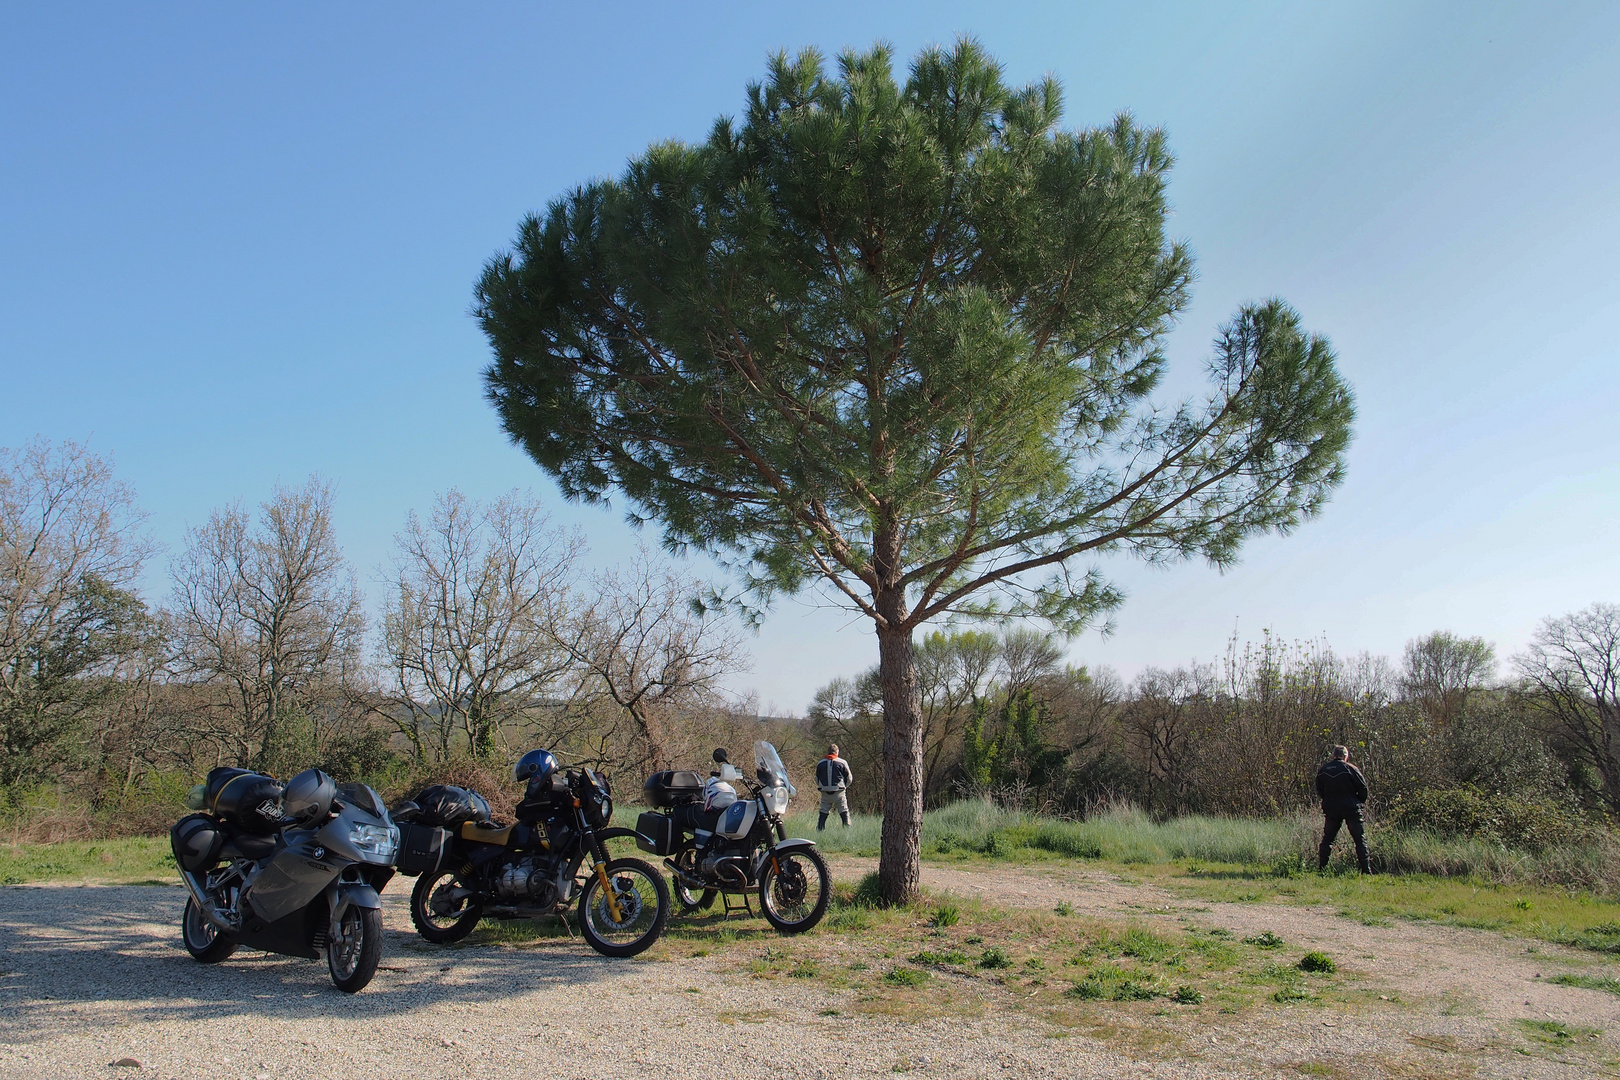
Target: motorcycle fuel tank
[[737, 821]]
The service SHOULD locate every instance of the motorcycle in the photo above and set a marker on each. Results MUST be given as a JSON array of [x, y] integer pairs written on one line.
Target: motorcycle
[[717, 844], [468, 868], [292, 869]]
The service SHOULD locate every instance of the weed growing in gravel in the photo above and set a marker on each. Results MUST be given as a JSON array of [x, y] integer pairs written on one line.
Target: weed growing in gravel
[[1317, 963], [1558, 1033], [1267, 940]]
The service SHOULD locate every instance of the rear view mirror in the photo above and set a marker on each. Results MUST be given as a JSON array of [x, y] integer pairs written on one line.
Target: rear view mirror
[[406, 811], [720, 755]]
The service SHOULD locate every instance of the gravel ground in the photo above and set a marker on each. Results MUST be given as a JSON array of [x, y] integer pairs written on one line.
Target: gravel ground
[[91, 975]]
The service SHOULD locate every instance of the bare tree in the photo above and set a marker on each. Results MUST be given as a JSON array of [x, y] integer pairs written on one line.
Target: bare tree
[[70, 552], [1442, 670], [1572, 670], [470, 627], [268, 614], [642, 645]]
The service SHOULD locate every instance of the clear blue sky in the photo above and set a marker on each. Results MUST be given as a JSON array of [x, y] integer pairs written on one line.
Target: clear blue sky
[[237, 245]]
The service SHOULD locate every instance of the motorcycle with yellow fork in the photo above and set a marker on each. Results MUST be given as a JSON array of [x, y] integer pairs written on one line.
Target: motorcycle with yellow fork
[[468, 868]]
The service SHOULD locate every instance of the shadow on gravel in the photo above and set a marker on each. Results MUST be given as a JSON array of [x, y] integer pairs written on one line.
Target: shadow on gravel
[[106, 956]]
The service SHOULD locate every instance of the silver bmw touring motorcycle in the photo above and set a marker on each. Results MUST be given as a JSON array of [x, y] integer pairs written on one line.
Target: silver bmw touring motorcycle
[[293, 870]]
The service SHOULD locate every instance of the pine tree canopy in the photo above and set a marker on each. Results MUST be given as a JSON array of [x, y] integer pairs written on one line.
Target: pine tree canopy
[[901, 337]]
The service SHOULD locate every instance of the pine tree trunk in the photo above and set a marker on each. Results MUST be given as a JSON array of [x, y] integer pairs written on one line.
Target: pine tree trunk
[[899, 872]]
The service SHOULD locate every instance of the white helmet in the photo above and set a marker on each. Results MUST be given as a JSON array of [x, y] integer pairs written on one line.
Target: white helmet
[[717, 794]]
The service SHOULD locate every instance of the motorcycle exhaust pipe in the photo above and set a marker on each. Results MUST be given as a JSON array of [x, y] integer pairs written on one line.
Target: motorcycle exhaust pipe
[[682, 876], [204, 905]]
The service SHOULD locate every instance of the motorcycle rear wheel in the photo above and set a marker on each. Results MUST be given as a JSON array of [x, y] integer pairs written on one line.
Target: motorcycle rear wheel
[[693, 900], [794, 888], [352, 955], [643, 908], [460, 918], [206, 943]]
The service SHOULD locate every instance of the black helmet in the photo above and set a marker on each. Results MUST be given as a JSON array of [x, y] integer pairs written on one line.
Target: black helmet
[[535, 765], [308, 798]]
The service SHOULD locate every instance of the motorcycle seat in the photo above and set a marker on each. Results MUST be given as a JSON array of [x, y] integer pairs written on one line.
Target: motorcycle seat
[[484, 833], [248, 846]]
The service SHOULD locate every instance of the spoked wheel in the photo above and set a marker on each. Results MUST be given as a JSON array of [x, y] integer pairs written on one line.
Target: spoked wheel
[[352, 953], [643, 903], [691, 900], [206, 943], [794, 887], [443, 908]]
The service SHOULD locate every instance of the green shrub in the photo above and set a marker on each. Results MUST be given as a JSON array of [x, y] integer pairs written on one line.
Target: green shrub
[[945, 915], [1267, 940], [1131, 990], [1186, 995], [1087, 990], [1530, 824]]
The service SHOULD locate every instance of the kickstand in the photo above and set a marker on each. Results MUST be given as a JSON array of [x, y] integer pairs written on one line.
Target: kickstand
[[562, 917], [745, 909]]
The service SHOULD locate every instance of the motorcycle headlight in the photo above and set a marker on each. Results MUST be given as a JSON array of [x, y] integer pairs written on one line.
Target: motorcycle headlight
[[776, 800], [379, 840]]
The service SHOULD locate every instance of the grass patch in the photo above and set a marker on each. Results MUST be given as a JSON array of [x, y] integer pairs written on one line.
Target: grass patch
[[1589, 982], [1558, 1033], [901, 976], [946, 957], [995, 957], [138, 860], [1267, 940]]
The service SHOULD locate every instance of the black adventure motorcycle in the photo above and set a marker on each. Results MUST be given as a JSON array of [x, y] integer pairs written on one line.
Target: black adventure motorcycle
[[293, 870], [717, 843], [469, 868]]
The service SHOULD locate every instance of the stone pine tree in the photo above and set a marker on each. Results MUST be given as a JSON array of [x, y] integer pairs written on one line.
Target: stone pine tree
[[899, 338]]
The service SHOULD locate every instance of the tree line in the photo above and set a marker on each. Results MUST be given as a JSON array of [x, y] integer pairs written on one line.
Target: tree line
[[1005, 717], [492, 637]]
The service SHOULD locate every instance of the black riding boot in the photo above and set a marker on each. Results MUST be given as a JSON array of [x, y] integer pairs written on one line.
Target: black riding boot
[[822, 824]]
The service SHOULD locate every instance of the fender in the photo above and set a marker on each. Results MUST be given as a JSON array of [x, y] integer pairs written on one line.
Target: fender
[[784, 845], [341, 896]]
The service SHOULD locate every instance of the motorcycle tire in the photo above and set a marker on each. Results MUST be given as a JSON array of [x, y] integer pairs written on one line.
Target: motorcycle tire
[[206, 943], [643, 908], [352, 956], [791, 901], [693, 900], [441, 929]]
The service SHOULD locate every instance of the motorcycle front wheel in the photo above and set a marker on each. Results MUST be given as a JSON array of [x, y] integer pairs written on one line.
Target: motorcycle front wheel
[[794, 887], [643, 903], [206, 943], [353, 952], [443, 908]]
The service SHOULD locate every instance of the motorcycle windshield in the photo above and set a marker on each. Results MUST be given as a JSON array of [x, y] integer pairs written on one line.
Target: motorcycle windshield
[[766, 758]]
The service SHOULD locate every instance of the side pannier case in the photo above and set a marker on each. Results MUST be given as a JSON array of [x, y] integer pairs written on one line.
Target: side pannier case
[[665, 789], [655, 833], [421, 849], [196, 840], [247, 800]]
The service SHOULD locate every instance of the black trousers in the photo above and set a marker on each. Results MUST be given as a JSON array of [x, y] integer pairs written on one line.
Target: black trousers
[[1330, 833]]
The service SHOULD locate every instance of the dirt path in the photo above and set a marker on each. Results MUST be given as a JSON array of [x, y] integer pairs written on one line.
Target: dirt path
[[89, 975]]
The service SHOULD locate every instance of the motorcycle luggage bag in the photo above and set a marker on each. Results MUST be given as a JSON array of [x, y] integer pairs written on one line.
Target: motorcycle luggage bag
[[448, 806], [655, 833], [664, 789], [422, 849], [196, 840], [248, 800]]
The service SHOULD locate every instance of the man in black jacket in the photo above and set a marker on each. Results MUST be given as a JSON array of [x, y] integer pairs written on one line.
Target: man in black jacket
[[1343, 791], [833, 775]]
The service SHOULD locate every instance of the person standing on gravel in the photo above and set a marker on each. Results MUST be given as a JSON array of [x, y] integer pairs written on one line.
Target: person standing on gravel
[[1343, 791], [832, 777]]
